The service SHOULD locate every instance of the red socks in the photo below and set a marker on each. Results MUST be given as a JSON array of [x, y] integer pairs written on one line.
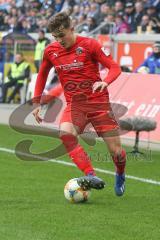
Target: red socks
[[82, 160], [77, 153], [120, 161]]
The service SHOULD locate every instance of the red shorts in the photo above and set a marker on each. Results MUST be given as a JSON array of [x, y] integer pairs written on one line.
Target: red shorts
[[99, 115]]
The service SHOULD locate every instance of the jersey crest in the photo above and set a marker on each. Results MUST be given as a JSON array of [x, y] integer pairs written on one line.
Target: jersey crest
[[79, 50]]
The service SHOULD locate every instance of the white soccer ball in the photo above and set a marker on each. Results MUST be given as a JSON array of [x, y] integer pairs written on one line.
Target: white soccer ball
[[143, 70], [74, 193]]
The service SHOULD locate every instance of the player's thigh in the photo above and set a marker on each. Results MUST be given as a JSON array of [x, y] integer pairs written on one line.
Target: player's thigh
[[107, 127], [73, 121], [104, 123]]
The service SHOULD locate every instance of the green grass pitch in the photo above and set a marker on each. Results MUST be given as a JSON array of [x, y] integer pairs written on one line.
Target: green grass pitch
[[32, 205]]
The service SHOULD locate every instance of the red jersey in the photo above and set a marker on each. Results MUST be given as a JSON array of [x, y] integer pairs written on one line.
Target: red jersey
[[77, 67]]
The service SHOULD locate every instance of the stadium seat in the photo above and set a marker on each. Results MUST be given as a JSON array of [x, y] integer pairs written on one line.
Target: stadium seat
[[23, 92], [31, 86]]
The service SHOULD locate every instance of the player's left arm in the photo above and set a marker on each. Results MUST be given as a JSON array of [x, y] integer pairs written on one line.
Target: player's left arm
[[104, 57]]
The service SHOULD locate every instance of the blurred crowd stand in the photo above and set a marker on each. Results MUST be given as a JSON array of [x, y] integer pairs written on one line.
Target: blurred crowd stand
[[19, 19]]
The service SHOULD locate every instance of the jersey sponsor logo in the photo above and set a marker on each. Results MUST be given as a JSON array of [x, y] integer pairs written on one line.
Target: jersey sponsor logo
[[106, 51], [70, 66]]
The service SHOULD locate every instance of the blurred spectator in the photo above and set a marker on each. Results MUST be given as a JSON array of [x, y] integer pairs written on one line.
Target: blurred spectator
[[88, 26], [8, 57], [69, 10], [81, 9], [5, 57], [13, 25], [94, 11], [100, 2], [1, 20], [109, 28], [86, 10], [84, 3], [155, 25], [155, 3], [152, 63], [6, 23], [121, 25], [68, 4], [129, 16], [19, 3], [18, 73], [25, 26], [42, 23], [80, 23], [32, 15], [151, 11], [139, 12], [32, 18], [5, 6], [76, 11], [118, 7], [81, 19], [13, 12], [42, 42], [145, 23], [58, 5], [1, 62], [74, 22], [46, 4], [35, 4], [48, 12], [105, 9]]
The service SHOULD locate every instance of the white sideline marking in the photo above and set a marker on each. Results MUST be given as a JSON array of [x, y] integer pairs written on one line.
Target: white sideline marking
[[145, 180]]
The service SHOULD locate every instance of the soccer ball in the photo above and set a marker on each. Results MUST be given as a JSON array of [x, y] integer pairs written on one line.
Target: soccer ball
[[74, 193], [143, 70]]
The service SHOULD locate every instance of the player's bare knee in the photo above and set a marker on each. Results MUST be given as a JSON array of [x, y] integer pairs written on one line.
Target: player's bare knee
[[114, 149], [67, 128], [66, 133]]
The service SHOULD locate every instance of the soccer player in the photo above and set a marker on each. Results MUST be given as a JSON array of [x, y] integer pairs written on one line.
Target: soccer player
[[76, 60]]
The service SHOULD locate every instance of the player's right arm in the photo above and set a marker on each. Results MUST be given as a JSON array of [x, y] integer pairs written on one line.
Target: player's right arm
[[40, 84], [45, 67]]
